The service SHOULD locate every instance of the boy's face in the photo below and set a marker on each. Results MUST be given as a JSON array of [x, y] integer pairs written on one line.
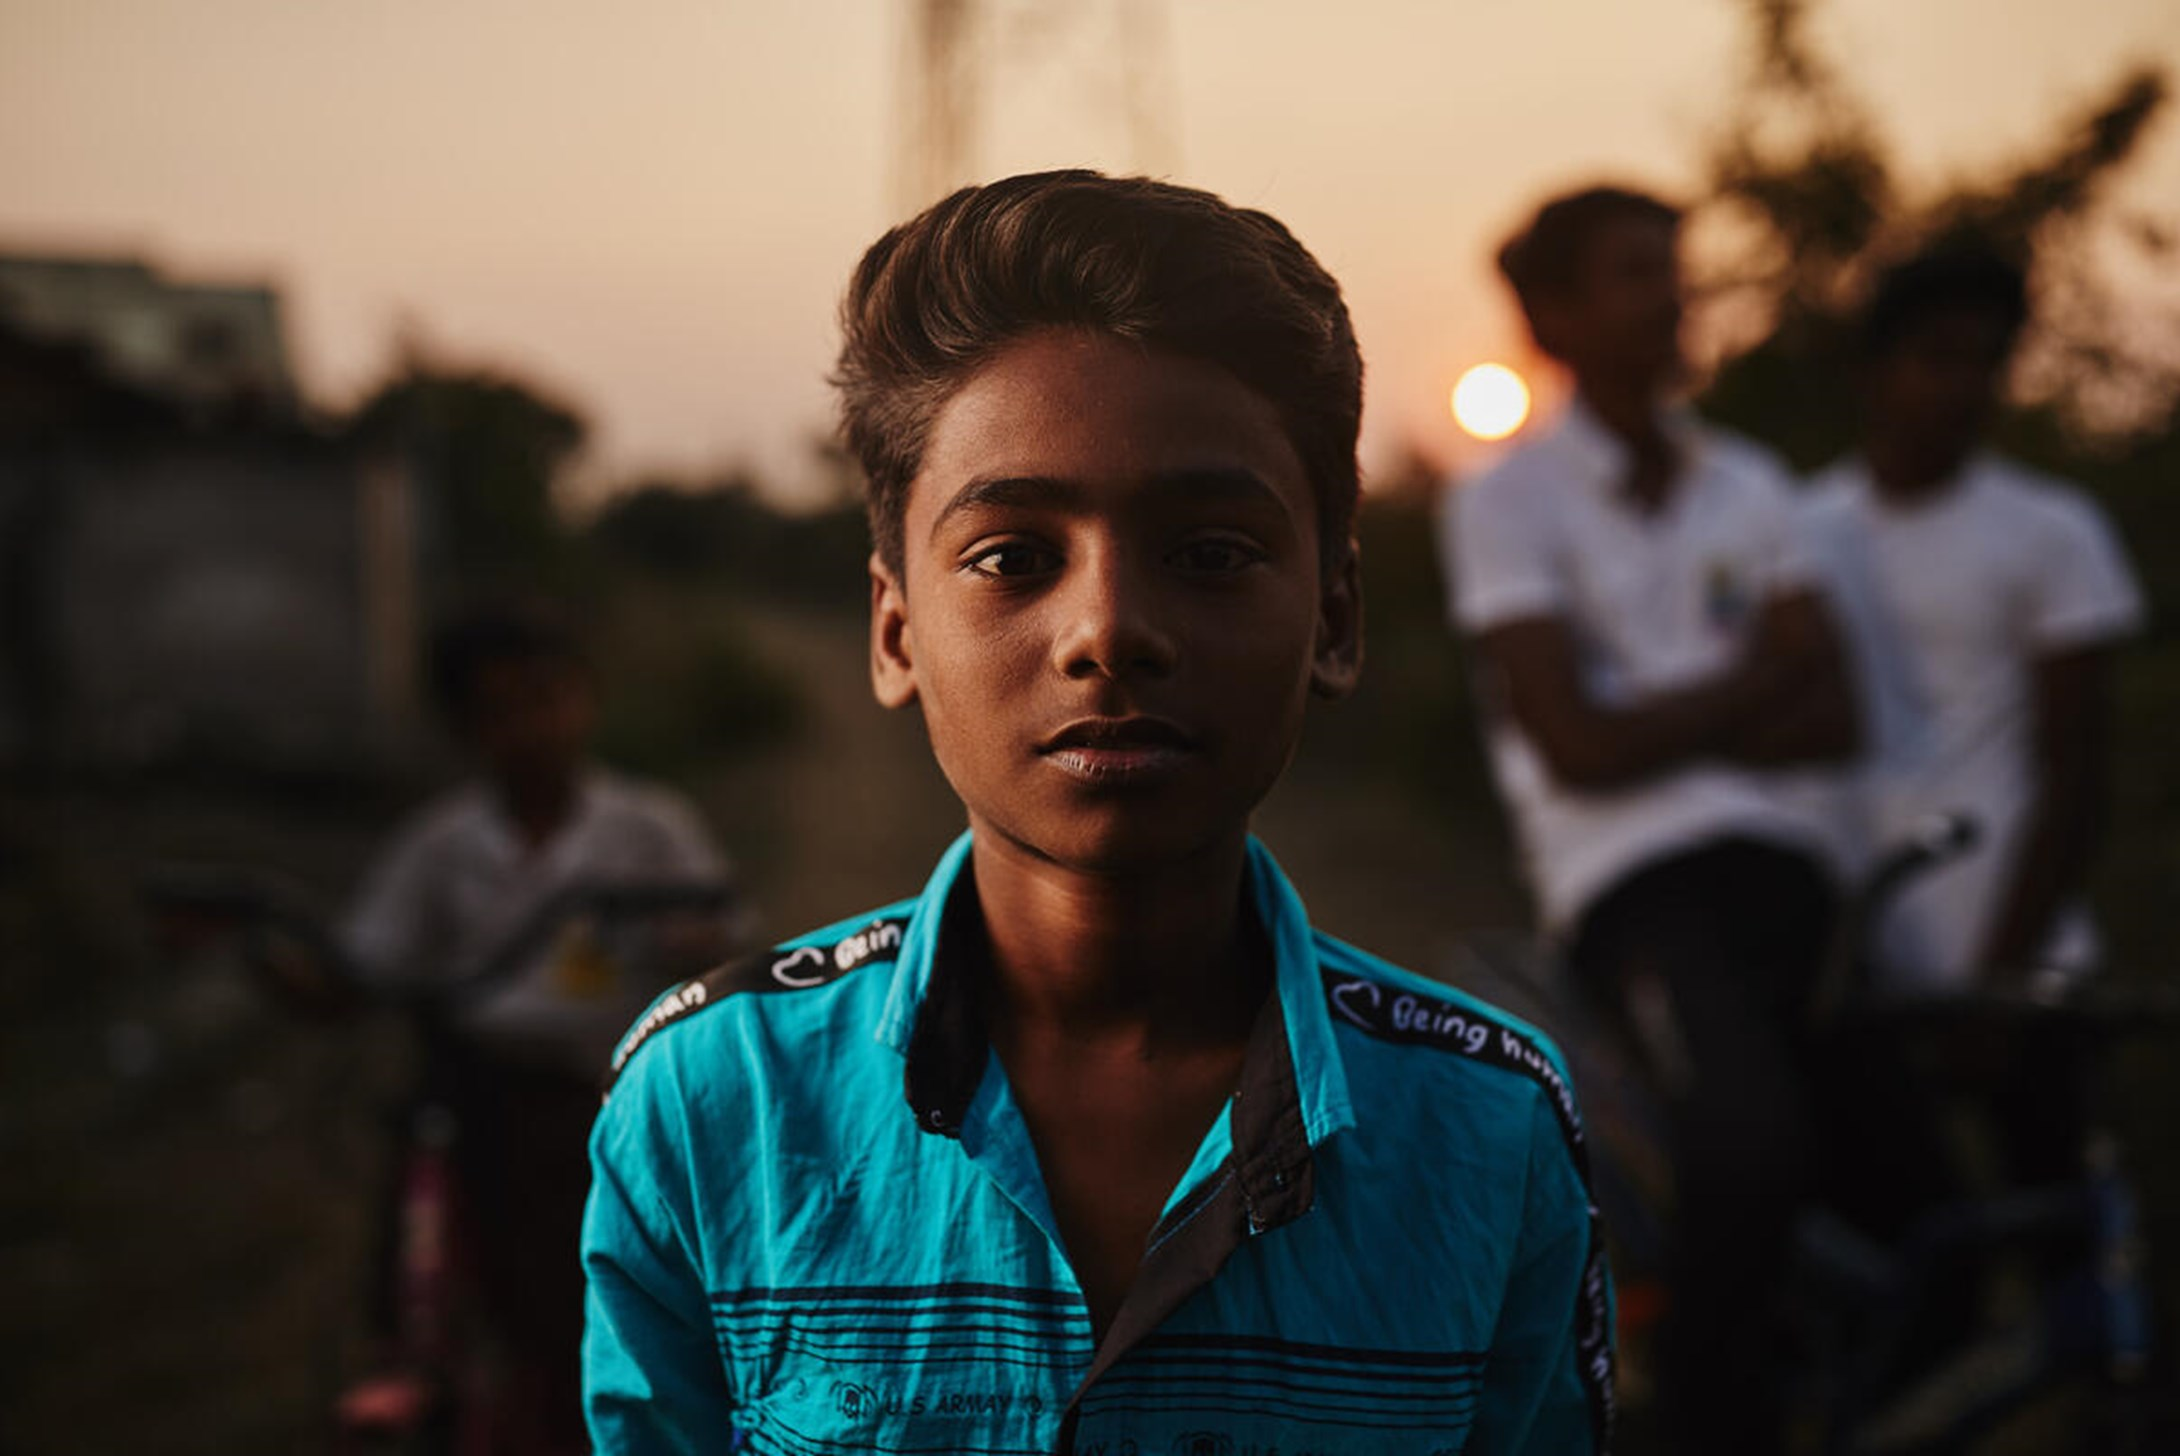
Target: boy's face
[[1934, 389], [529, 720], [1112, 606], [1620, 319]]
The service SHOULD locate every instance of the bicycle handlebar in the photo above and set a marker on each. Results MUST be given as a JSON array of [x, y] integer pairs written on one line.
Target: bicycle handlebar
[[244, 902], [1938, 840], [255, 901], [1843, 988], [608, 901]]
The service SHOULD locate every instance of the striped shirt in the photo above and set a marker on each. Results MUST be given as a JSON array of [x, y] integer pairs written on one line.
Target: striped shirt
[[817, 1224]]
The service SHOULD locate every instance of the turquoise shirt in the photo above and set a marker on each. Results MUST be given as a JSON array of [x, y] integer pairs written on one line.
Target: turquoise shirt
[[817, 1224]]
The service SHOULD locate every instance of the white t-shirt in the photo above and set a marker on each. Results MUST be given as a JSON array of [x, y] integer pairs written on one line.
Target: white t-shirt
[[1655, 602], [458, 882], [1947, 605]]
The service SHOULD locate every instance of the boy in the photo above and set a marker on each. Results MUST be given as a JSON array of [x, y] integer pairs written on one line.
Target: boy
[[1984, 602], [470, 869], [1651, 647], [1095, 1145], [461, 879]]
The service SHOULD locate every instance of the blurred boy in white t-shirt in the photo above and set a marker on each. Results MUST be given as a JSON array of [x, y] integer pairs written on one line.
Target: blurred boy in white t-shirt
[[1655, 656], [464, 877], [458, 886], [1983, 602]]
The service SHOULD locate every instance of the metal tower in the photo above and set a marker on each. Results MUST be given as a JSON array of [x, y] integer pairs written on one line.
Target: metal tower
[[954, 51]]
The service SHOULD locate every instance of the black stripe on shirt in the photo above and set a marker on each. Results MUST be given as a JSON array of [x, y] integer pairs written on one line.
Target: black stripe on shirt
[[1219, 1344], [783, 968], [792, 1442], [1397, 1014], [1455, 1404], [904, 1294], [1403, 1386]]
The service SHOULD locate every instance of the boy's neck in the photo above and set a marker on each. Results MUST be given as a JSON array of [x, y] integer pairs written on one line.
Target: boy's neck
[[1162, 959], [539, 808], [1632, 409], [1908, 470]]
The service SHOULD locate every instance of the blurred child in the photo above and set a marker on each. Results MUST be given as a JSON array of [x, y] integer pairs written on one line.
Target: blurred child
[[1653, 649], [1984, 602], [442, 904], [539, 816]]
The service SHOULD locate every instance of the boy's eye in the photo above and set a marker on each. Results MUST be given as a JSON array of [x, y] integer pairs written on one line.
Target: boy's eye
[[1012, 558], [1216, 554]]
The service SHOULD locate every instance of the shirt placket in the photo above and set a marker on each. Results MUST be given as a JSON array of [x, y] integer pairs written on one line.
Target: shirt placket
[[1267, 1180]]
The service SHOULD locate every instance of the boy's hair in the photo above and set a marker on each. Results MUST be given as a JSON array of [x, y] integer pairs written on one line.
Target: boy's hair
[[1171, 268], [1545, 257], [1963, 275], [485, 635]]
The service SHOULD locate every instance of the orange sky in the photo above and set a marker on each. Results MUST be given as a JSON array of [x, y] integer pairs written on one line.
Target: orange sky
[[651, 207]]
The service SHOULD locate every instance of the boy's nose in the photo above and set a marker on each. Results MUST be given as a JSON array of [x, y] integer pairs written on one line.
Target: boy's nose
[[1110, 624]]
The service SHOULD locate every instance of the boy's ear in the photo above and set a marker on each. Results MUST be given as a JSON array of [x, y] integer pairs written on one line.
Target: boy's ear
[[892, 664], [1337, 664]]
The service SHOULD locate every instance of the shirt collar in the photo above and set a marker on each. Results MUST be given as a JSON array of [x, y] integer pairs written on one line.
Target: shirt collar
[[1966, 479], [503, 837], [1291, 1083]]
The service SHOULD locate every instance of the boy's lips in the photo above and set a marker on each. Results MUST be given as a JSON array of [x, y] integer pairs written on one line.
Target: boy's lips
[[1118, 750]]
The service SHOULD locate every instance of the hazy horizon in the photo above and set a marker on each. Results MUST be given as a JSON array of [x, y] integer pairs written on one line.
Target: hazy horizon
[[650, 212]]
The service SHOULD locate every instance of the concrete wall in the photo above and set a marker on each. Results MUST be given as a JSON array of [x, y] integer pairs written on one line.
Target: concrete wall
[[239, 601]]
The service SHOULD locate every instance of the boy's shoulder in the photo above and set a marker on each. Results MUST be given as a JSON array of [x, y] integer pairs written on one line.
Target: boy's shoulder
[[1423, 1020], [612, 791], [1374, 996], [625, 808], [1537, 463], [1840, 487], [1747, 461], [804, 964], [2032, 500], [454, 822]]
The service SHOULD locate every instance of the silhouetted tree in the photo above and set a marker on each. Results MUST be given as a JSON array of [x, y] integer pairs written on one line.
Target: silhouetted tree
[[486, 450], [729, 536], [1805, 203]]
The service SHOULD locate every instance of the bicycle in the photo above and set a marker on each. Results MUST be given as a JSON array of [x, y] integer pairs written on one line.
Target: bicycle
[[2086, 1322], [1857, 1301], [439, 1387]]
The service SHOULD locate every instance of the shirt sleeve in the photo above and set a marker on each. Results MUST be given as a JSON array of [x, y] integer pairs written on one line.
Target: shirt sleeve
[[2083, 594], [1497, 550], [653, 1384], [1547, 1388]]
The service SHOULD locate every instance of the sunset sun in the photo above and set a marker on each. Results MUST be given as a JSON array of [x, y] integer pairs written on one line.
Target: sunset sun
[[1490, 402]]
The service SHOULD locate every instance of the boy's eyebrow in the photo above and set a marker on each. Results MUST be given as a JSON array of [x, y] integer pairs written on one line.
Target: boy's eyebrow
[[1009, 490], [1210, 482]]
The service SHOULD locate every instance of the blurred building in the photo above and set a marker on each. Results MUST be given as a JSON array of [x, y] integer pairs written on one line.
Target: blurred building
[[191, 571], [208, 348]]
